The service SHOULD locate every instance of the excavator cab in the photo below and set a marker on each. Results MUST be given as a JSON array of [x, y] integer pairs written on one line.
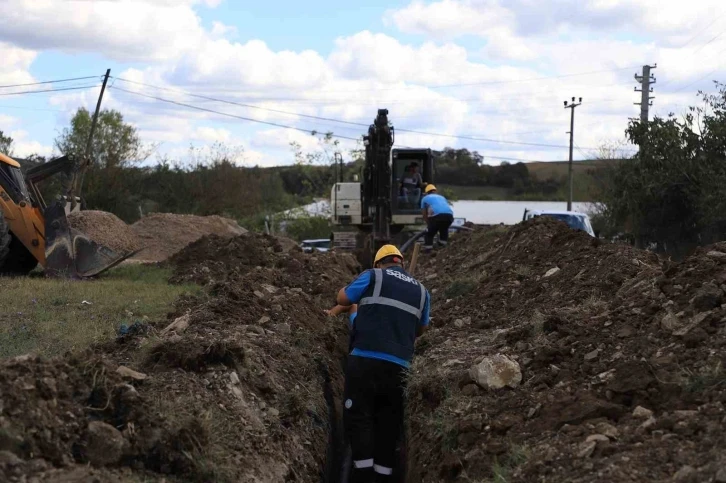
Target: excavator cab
[[410, 168], [32, 232]]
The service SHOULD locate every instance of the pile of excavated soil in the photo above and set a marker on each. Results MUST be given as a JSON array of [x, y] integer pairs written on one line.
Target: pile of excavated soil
[[212, 258], [106, 229], [622, 360], [244, 385], [164, 234]]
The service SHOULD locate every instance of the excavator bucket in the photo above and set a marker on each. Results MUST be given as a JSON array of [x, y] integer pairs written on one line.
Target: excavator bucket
[[70, 253]]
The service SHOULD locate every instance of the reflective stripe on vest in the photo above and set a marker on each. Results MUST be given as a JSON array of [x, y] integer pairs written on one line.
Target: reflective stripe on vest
[[376, 298]]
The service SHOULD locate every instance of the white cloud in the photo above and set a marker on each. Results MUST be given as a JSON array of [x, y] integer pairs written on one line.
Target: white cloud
[[221, 30], [211, 135], [449, 17], [436, 86], [23, 146], [453, 18], [130, 30], [15, 68], [6, 122]]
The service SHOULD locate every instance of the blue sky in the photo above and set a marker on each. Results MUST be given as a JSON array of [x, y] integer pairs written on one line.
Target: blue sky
[[489, 75]]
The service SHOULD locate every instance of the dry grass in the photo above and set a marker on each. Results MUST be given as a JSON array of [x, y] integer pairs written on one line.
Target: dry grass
[[50, 317], [503, 469]]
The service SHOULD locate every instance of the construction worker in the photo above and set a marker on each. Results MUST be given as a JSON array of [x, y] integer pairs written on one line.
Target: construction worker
[[438, 216], [393, 309]]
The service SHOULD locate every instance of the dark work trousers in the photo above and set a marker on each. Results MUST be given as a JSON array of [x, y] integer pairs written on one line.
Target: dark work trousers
[[373, 416], [440, 224]]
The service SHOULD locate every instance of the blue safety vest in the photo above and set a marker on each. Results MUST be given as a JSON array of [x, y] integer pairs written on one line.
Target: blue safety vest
[[389, 313]]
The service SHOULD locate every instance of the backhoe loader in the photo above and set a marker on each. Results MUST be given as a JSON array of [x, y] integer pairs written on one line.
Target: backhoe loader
[[33, 233]]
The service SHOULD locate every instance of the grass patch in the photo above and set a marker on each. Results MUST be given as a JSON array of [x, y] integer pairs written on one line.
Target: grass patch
[[502, 469], [50, 317], [709, 378], [460, 287]]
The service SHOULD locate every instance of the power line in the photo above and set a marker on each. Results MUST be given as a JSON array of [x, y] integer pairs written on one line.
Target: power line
[[709, 42], [284, 126], [443, 86], [49, 82], [702, 31], [327, 119], [471, 138], [528, 80], [48, 90], [249, 106], [5, 106], [504, 158]]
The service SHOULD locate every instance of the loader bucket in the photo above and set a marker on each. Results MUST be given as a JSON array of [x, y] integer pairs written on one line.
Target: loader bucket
[[69, 253]]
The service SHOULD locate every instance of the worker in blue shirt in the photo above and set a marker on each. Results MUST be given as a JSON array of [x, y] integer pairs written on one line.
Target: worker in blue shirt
[[437, 215], [393, 309]]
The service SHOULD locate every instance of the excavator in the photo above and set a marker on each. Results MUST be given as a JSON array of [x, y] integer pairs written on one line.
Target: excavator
[[369, 214], [33, 232]]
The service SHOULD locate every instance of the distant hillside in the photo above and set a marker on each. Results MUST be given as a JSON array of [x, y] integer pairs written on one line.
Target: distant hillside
[[465, 176]]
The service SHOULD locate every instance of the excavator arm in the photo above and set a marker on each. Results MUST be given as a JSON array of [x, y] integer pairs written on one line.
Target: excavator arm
[[43, 229], [377, 179], [68, 252]]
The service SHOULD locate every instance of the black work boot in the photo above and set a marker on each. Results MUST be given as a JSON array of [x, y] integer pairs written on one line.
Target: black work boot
[[362, 475]]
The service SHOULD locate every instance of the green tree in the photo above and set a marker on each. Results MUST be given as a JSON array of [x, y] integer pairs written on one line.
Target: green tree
[[673, 191], [6, 144], [115, 142], [108, 184]]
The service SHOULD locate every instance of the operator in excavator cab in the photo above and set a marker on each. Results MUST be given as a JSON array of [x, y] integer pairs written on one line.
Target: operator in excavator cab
[[392, 310], [438, 215]]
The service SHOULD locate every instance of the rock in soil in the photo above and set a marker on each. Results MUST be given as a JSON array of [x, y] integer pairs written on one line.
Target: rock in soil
[[104, 444], [496, 372]]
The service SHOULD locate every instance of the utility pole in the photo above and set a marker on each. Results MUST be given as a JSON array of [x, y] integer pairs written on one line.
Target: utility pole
[[645, 80], [87, 158], [571, 106]]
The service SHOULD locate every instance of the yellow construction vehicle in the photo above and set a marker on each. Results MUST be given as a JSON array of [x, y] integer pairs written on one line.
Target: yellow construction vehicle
[[33, 233]]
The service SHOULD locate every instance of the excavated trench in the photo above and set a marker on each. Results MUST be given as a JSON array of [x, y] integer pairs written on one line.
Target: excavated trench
[[242, 384]]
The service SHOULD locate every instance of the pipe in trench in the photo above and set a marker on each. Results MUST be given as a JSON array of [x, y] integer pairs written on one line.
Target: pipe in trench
[[418, 235]]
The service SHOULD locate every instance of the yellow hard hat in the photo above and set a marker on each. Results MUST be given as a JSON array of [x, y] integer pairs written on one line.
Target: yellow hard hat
[[387, 251], [429, 187]]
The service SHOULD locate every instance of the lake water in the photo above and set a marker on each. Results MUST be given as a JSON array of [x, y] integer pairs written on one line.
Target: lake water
[[480, 212], [508, 212]]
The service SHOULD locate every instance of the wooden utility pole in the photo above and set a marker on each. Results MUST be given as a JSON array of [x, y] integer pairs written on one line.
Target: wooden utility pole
[[414, 259], [87, 158], [646, 80], [571, 106]]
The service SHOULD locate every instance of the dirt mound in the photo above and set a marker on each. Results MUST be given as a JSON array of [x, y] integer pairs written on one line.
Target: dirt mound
[[213, 258], [603, 335], [164, 234], [244, 386], [106, 229]]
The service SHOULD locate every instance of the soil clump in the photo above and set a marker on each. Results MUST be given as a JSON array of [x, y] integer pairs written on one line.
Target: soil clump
[[164, 234], [243, 384], [619, 358], [105, 229]]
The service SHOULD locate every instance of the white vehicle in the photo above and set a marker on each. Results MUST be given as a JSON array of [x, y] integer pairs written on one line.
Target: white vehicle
[[319, 244], [575, 219]]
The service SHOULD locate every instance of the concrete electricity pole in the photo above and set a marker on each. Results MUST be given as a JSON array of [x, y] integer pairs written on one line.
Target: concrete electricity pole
[[572, 107], [646, 80]]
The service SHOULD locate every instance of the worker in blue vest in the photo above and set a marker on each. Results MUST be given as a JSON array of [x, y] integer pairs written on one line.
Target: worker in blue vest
[[393, 309], [437, 215]]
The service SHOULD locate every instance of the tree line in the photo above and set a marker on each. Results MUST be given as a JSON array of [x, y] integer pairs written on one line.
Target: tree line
[[671, 195], [210, 182]]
